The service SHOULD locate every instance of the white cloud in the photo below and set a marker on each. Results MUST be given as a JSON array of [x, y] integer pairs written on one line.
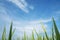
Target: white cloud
[[41, 20], [31, 7], [58, 12], [29, 27], [23, 5]]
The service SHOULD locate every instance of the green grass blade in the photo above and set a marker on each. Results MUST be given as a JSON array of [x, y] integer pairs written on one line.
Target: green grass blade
[[52, 33], [36, 32], [56, 30], [10, 33], [33, 35], [38, 36], [13, 31], [46, 35], [45, 31], [4, 34], [24, 38], [43, 38]]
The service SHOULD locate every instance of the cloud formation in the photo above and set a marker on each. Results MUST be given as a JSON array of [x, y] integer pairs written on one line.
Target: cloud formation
[[57, 12], [23, 5]]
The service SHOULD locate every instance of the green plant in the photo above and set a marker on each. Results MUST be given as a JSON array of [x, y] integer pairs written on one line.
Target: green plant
[[33, 36], [45, 31], [56, 30], [10, 33], [25, 37], [55, 33], [4, 34]]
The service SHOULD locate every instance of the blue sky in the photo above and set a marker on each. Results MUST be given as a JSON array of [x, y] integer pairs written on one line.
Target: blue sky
[[27, 14]]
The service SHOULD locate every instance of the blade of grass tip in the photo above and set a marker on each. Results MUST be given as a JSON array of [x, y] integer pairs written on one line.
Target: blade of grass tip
[[36, 32], [45, 31], [4, 34], [10, 32], [56, 30], [38, 36]]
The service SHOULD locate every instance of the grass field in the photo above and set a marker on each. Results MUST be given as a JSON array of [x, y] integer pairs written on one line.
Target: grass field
[[55, 35]]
